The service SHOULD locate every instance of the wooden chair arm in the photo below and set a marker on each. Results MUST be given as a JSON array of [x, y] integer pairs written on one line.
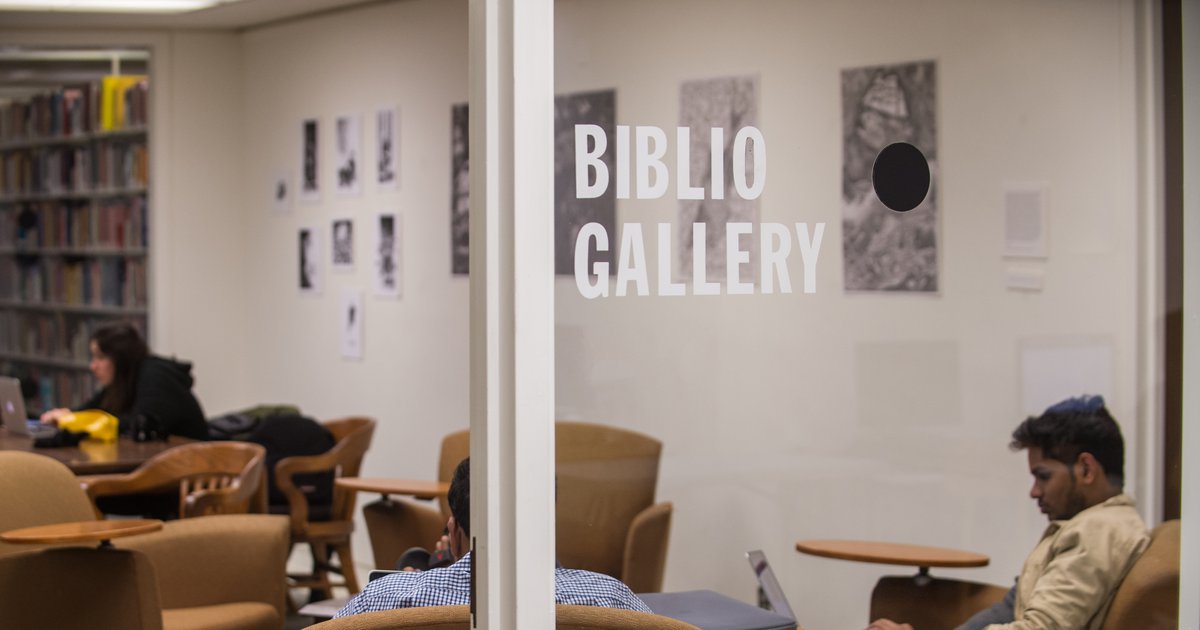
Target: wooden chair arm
[[287, 468], [646, 548], [129, 483]]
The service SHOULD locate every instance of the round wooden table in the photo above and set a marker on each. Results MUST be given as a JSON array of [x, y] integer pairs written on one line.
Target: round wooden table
[[82, 531], [892, 553], [408, 487]]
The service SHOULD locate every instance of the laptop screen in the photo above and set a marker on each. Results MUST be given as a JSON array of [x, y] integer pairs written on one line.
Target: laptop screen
[[770, 585], [12, 405]]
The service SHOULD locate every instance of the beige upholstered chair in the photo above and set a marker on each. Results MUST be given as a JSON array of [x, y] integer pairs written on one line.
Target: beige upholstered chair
[[211, 477], [459, 618], [329, 531], [221, 571], [74, 588], [607, 520], [1147, 599]]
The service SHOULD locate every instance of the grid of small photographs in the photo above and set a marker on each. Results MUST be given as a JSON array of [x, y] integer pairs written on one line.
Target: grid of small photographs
[[359, 162]]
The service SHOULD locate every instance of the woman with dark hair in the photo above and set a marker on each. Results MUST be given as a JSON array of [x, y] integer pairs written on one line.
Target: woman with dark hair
[[140, 388]]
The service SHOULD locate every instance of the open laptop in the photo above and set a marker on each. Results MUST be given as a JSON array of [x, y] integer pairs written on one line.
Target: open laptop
[[769, 584], [709, 610], [12, 410]]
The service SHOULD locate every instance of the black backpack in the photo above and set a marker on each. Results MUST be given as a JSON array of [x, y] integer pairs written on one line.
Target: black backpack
[[293, 434]]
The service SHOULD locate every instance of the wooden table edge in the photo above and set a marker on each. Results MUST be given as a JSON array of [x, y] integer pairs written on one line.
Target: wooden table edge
[[965, 559], [419, 488], [80, 531]]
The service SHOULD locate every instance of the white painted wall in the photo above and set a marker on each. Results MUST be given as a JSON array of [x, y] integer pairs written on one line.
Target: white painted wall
[[413, 377], [791, 417]]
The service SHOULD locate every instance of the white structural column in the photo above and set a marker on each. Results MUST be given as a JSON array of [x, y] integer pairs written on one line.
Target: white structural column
[[512, 312], [1189, 585]]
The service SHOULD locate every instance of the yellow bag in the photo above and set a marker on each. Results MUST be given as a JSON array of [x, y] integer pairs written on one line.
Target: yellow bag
[[99, 425]]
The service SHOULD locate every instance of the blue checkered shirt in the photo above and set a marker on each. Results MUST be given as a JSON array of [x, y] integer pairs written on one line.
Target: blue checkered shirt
[[451, 586]]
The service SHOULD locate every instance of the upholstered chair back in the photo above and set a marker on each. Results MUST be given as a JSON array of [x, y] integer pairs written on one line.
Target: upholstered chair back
[[38, 490], [1148, 597], [606, 477]]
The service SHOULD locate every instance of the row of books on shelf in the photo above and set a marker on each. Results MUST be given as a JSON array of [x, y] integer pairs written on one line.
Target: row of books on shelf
[[119, 222], [111, 282], [104, 165], [49, 388], [57, 336], [113, 103]]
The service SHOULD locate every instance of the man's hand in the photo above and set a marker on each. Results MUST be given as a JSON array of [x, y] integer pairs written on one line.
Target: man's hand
[[888, 624]]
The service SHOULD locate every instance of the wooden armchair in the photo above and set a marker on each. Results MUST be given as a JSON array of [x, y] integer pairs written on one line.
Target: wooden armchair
[[607, 520], [326, 531], [567, 617], [211, 477], [218, 572]]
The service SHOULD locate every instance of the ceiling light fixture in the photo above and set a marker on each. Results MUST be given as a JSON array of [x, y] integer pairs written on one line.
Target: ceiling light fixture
[[112, 6]]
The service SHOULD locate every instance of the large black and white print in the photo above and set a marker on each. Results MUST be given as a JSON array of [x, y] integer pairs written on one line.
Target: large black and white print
[[386, 175], [886, 250], [343, 244], [571, 213], [387, 255], [460, 191], [348, 158], [309, 260], [729, 104], [310, 172]]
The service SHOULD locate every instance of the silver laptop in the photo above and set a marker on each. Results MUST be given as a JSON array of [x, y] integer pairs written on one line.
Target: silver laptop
[[12, 409], [768, 583]]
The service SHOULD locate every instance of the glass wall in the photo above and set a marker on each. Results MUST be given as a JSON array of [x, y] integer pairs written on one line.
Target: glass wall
[[819, 365]]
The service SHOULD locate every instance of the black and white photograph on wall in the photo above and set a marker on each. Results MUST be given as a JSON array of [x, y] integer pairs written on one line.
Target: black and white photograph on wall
[[387, 255], [281, 192], [729, 104], [386, 149], [310, 173], [352, 324], [343, 244], [309, 260], [571, 213], [348, 155], [885, 250], [460, 191]]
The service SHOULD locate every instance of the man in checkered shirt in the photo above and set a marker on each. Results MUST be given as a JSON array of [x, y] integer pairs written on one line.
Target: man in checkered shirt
[[451, 585]]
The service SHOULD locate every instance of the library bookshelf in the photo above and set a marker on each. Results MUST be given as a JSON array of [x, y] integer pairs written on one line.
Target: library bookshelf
[[74, 181]]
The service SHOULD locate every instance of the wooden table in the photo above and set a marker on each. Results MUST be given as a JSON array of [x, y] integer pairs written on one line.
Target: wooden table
[[420, 489], [892, 553], [82, 531], [93, 457]]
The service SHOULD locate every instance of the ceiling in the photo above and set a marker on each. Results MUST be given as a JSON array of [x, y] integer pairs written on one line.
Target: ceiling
[[232, 16]]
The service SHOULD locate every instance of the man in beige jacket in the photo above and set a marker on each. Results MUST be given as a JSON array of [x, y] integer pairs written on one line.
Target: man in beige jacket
[[1077, 459]]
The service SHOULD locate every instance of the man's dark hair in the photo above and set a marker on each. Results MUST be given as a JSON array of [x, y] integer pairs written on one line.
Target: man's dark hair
[[1074, 426], [459, 496]]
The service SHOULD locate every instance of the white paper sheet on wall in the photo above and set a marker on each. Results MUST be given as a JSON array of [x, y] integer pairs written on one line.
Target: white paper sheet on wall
[[1025, 221], [1058, 368]]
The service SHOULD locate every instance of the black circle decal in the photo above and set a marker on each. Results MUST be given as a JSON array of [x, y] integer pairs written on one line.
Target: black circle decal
[[900, 176]]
